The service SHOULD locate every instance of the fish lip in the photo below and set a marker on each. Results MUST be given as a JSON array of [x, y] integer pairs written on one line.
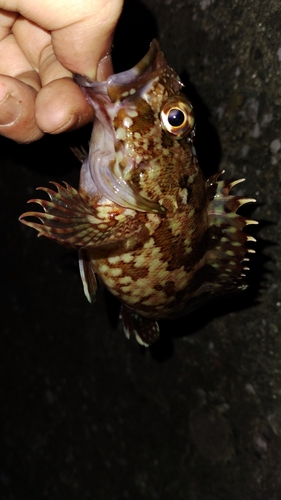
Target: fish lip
[[140, 68], [119, 85], [153, 61]]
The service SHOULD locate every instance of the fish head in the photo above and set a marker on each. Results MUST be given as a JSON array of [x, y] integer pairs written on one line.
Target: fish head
[[141, 152]]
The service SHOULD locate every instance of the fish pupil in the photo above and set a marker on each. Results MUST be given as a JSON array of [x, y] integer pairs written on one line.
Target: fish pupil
[[176, 117]]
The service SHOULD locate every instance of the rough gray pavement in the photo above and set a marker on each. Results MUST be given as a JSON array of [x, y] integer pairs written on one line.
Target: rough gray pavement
[[91, 415]]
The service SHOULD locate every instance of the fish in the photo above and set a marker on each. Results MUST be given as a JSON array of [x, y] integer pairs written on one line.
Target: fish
[[147, 224]]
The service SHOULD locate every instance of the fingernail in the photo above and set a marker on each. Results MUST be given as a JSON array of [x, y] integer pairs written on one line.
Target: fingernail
[[105, 68], [10, 110], [71, 124]]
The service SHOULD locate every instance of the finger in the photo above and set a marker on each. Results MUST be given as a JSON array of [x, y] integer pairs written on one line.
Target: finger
[[89, 40], [14, 63], [61, 106], [17, 110], [86, 48], [7, 20], [37, 46], [38, 50], [81, 31], [105, 68]]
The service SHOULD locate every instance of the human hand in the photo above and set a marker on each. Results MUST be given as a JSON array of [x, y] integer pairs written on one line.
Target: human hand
[[42, 42]]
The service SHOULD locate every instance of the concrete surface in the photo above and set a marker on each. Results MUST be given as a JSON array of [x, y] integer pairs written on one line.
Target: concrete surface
[[90, 415]]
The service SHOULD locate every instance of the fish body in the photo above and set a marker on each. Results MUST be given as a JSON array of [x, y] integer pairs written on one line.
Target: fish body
[[158, 235]]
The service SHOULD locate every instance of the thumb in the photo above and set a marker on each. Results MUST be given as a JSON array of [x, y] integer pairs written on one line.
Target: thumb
[[81, 46]]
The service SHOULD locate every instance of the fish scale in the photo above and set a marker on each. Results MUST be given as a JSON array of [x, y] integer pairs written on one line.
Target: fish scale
[[158, 235]]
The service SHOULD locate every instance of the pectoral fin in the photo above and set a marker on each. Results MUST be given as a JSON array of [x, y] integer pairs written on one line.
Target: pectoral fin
[[72, 220]]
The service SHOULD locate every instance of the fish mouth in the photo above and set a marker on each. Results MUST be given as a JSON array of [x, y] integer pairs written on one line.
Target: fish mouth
[[121, 85], [129, 82], [121, 89]]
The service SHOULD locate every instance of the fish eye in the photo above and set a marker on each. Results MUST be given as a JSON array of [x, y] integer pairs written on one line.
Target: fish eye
[[177, 116]]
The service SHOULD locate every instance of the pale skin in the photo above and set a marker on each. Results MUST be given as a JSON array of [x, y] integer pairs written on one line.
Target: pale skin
[[42, 43]]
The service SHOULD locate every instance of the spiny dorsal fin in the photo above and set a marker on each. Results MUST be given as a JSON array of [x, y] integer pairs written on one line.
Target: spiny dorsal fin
[[226, 238]]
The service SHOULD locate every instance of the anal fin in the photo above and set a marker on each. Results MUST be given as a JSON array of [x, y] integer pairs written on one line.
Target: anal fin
[[145, 330]]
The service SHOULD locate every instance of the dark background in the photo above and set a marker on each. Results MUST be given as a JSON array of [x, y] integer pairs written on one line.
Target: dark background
[[91, 415]]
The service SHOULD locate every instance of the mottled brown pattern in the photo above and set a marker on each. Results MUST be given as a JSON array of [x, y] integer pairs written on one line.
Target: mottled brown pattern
[[160, 237]]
